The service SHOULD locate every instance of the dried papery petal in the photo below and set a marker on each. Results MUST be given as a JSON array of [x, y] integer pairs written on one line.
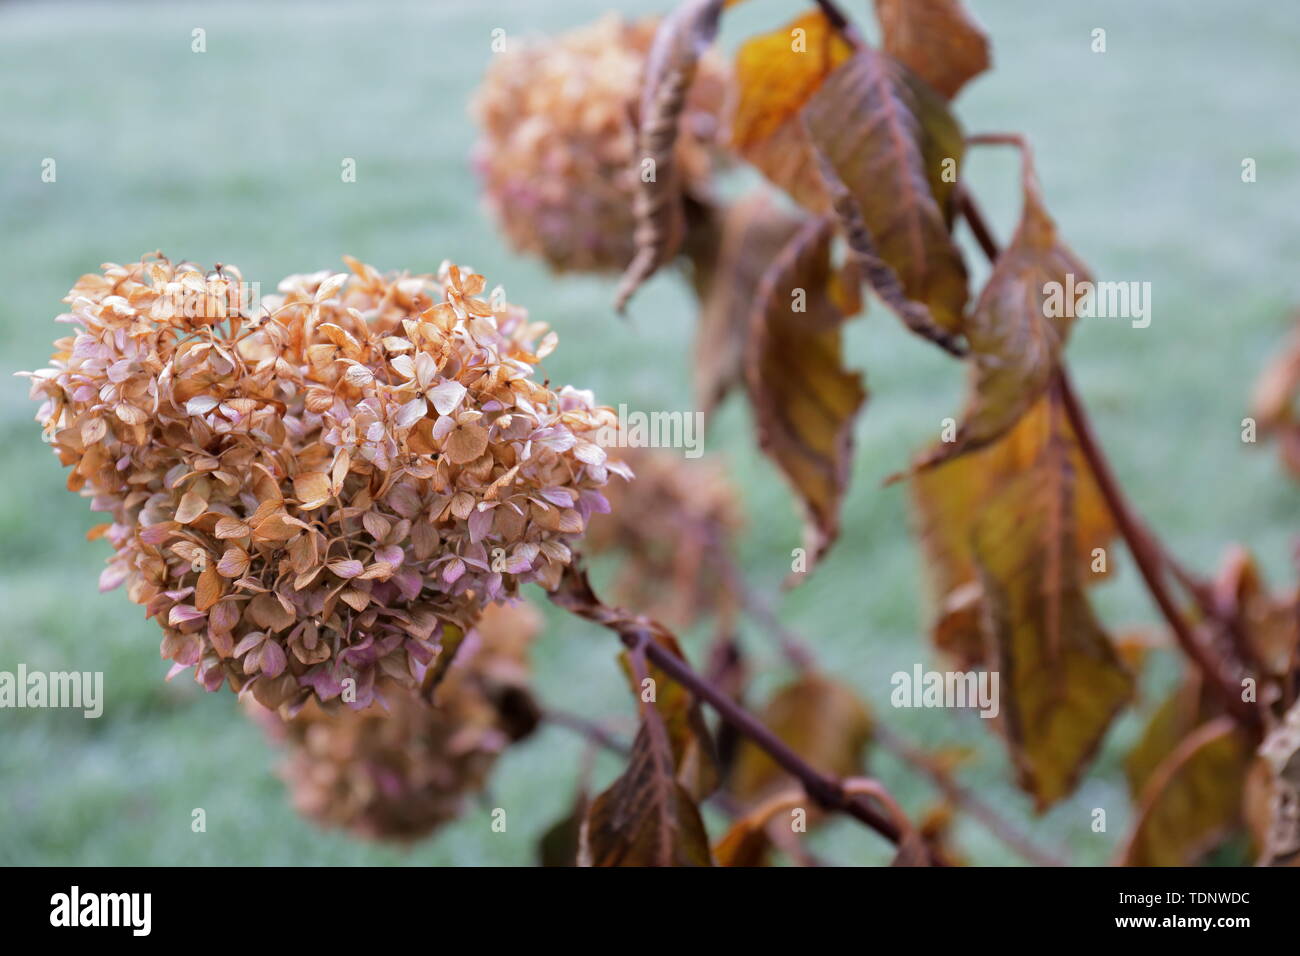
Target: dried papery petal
[[401, 768], [557, 150], [364, 453]]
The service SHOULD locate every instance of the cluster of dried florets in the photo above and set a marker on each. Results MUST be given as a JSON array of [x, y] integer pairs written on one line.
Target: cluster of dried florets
[[401, 768], [305, 495], [558, 142], [672, 531]]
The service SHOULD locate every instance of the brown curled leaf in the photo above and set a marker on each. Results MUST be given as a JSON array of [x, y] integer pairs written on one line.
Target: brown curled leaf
[[645, 818], [683, 37], [1018, 328], [896, 149], [1061, 680], [804, 400]]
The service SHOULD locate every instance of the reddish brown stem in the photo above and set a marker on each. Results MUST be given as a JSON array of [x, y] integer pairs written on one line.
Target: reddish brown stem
[[827, 791], [638, 634], [1149, 559]]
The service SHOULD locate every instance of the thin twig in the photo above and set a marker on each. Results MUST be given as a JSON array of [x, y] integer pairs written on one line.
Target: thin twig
[[827, 791], [587, 728], [639, 634], [793, 648], [799, 652], [1149, 559], [964, 799]]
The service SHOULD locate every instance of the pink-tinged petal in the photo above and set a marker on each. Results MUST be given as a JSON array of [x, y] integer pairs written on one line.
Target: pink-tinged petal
[[558, 496], [518, 564], [391, 555], [411, 412], [480, 523], [212, 678], [177, 669], [200, 405], [273, 659], [157, 534], [120, 371], [183, 614], [447, 397], [409, 584], [556, 439], [347, 569], [452, 572], [113, 576], [589, 453], [248, 642], [443, 427]]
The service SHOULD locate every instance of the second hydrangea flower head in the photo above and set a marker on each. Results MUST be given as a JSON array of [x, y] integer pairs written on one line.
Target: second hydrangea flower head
[[308, 494], [557, 148]]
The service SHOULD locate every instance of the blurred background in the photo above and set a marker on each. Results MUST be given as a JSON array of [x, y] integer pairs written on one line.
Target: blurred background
[[234, 156]]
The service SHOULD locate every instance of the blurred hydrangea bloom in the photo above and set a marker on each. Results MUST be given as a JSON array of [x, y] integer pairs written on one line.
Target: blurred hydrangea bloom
[[556, 154], [672, 532], [308, 494], [401, 768]]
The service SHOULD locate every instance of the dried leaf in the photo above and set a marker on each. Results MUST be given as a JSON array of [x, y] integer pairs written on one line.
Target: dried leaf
[[695, 761], [558, 846], [1061, 680], [886, 138], [1273, 400], [452, 639], [1193, 799], [747, 843], [1016, 332], [775, 75], [804, 401], [951, 500], [1267, 627], [1185, 709], [936, 39], [645, 818]]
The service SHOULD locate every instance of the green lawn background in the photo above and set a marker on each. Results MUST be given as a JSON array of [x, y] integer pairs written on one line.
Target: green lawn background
[[234, 156]]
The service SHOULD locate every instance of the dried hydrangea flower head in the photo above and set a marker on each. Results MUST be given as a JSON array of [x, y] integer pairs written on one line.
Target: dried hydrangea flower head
[[556, 154], [305, 494], [401, 768], [671, 530]]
